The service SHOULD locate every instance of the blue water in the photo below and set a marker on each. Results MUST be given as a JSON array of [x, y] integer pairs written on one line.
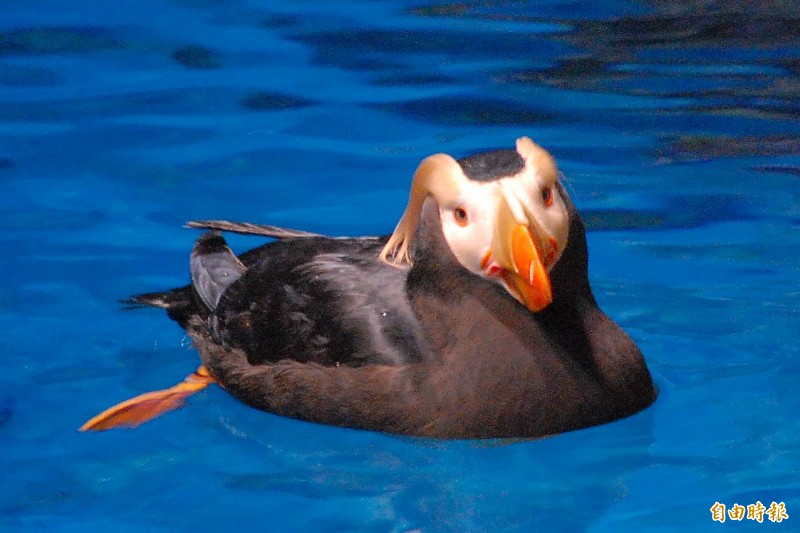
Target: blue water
[[675, 123]]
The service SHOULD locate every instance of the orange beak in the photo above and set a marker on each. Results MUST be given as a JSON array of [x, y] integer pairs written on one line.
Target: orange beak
[[517, 258]]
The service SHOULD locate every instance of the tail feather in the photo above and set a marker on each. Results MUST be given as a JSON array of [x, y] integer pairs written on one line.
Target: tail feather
[[214, 267], [162, 300], [180, 303]]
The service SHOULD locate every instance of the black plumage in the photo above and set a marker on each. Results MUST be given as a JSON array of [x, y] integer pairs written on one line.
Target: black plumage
[[491, 165], [328, 301], [320, 329]]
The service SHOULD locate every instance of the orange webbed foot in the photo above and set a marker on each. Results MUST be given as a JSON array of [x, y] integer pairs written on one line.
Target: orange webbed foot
[[136, 411]]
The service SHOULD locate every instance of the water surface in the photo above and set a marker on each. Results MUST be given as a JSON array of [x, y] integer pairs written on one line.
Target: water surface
[[675, 123]]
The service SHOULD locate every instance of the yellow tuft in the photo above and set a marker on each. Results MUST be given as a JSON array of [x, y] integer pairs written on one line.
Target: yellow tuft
[[438, 175], [539, 158]]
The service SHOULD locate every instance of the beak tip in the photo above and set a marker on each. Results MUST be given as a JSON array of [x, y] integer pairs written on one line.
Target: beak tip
[[534, 288]]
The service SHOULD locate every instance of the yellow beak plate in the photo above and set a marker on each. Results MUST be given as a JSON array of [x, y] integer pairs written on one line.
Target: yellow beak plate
[[523, 271]]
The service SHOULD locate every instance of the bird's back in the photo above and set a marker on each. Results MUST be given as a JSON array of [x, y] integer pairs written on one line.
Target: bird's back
[[322, 300], [311, 299]]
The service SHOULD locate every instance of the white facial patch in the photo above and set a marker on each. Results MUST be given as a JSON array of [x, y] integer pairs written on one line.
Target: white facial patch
[[470, 242], [523, 195]]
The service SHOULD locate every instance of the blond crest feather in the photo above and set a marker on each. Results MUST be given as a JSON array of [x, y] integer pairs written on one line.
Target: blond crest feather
[[438, 175]]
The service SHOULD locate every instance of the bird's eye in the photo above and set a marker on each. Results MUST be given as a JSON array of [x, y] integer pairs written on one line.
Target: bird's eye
[[460, 214], [547, 196]]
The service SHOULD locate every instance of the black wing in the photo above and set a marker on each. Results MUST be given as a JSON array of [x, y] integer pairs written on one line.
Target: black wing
[[322, 300]]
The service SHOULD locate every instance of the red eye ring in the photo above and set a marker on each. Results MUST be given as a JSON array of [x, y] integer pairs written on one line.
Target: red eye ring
[[547, 196], [460, 214]]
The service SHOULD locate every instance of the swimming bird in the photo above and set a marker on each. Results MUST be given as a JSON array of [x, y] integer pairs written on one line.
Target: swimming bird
[[473, 319]]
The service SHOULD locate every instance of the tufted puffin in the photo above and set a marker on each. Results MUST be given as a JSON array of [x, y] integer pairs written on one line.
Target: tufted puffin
[[473, 319]]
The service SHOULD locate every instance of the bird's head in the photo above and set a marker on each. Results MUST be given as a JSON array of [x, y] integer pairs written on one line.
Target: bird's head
[[502, 216]]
